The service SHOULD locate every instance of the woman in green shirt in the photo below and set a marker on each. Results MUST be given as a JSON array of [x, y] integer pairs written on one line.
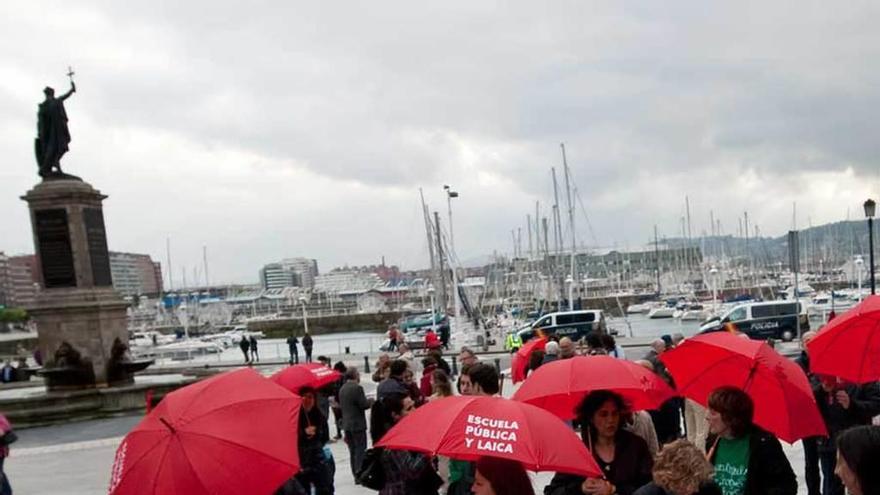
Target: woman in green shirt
[[747, 459]]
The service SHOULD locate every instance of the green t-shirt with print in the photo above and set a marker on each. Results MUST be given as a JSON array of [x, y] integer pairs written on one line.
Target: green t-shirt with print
[[732, 465]]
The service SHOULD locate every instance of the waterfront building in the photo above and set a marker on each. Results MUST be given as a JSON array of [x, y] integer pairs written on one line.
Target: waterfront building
[[305, 269], [347, 281], [18, 280], [135, 274], [277, 276]]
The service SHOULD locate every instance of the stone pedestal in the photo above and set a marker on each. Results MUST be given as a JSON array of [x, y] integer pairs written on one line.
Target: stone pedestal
[[81, 320]]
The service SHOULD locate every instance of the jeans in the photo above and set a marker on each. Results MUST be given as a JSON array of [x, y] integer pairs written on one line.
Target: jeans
[[811, 465], [357, 446], [831, 484], [308, 354], [294, 355]]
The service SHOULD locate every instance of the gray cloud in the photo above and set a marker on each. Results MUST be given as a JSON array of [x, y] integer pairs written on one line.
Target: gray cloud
[[272, 129]]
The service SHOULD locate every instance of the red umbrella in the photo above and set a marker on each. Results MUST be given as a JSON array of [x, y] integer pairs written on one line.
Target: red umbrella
[[849, 345], [784, 401], [233, 433], [470, 427], [560, 386], [313, 375], [520, 360]]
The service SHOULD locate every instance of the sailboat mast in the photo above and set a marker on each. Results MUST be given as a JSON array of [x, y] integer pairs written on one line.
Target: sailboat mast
[[557, 225], [205, 262], [573, 275], [168, 260], [441, 271], [657, 258], [426, 217], [529, 228]]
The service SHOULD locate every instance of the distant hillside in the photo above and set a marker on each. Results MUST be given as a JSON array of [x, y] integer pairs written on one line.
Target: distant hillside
[[833, 243]]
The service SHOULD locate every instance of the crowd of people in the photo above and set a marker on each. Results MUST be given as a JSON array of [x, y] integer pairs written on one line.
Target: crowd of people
[[679, 449]]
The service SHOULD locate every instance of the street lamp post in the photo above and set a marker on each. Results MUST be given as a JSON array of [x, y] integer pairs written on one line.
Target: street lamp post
[[870, 206], [302, 300], [449, 195]]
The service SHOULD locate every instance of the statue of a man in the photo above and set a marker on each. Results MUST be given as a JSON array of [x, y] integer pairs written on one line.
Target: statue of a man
[[52, 133]]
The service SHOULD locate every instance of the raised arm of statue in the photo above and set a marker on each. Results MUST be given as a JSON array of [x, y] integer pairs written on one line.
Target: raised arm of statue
[[70, 92]]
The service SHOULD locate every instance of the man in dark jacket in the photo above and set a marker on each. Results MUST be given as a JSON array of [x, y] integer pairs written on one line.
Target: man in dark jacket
[[307, 346], [255, 354], [842, 407], [313, 435], [292, 343], [354, 422], [394, 383], [245, 346]]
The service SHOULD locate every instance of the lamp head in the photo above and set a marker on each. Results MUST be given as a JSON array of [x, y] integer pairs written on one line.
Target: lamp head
[[870, 207]]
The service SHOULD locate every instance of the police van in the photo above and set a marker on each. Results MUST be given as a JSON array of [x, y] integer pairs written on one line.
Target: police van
[[572, 324], [763, 320]]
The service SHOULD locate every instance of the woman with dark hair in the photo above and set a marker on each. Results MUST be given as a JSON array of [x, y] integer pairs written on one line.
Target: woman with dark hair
[[496, 476], [858, 453], [313, 435], [441, 385], [611, 347], [623, 456], [747, 459], [406, 472], [536, 359], [681, 469]]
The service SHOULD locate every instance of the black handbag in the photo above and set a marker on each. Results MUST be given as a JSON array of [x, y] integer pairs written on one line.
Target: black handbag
[[372, 474]]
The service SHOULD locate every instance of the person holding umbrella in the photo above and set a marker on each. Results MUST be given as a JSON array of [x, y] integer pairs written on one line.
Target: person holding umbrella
[[623, 457], [406, 472], [842, 406], [483, 381], [747, 459], [497, 476], [469, 428], [313, 435]]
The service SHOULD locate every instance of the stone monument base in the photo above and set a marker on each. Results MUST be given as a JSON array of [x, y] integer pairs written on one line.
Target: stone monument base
[[77, 329], [82, 322]]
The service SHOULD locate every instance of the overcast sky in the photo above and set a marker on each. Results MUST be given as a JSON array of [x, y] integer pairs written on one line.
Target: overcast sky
[[271, 129]]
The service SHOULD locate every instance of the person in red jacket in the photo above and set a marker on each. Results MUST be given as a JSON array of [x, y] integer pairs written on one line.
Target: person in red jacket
[[432, 341]]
